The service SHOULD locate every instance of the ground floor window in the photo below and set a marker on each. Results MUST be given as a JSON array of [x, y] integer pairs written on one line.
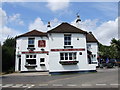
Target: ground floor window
[[31, 59], [42, 61], [92, 58], [68, 56]]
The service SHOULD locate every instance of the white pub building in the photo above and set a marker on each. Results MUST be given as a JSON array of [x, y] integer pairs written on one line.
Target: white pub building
[[64, 48]]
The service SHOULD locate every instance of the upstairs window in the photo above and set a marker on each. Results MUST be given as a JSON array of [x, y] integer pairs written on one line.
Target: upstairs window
[[31, 42], [88, 46], [67, 39]]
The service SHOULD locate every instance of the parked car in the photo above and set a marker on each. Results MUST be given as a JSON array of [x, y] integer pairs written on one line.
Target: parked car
[[118, 62], [113, 62], [110, 64], [102, 64]]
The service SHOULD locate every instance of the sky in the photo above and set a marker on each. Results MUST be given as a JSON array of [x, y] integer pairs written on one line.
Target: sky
[[101, 18]]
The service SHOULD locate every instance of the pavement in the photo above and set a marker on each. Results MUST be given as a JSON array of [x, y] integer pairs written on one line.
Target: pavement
[[27, 74]]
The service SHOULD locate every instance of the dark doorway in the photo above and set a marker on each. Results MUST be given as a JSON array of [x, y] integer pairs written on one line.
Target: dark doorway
[[19, 68]]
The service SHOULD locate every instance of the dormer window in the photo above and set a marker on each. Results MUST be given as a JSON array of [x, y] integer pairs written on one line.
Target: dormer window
[[67, 39], [31, 42]]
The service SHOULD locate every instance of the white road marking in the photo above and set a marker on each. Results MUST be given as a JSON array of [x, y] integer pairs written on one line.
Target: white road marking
[[100, 84], [31, 86], [7, 85], [71, 85], [57, 84], [86, 85], [0, 85], [43, 84], [115, 84], [27, 85], [24, 86], [18, 85]]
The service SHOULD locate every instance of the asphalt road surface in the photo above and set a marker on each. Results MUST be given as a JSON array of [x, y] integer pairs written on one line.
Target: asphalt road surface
[[104, 78]]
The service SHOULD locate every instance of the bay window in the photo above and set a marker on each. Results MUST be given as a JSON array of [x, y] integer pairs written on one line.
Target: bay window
[[31, 60], [68, 58]]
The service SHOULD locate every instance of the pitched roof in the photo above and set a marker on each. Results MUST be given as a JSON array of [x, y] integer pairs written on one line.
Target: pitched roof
[[90, 38], [62, 28], [66, 28], [33, 33]]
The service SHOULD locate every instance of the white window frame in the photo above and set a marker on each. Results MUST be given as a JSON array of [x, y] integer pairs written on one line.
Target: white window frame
[[30, 58], [67, 41], [31, 43], [74, 58]]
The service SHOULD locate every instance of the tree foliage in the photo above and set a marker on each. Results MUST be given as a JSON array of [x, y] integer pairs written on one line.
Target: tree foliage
[[112, 51], [8, 54]]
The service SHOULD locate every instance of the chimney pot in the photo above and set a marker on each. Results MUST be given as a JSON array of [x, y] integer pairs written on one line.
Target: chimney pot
[[90, 32], [78, 19], [48, 24]]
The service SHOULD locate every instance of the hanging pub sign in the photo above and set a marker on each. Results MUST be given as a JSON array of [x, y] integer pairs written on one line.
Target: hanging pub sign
[[41, 43]]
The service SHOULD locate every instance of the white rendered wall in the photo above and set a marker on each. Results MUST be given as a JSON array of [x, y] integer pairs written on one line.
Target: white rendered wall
[[56, 41], [22, 45], [94, 50]]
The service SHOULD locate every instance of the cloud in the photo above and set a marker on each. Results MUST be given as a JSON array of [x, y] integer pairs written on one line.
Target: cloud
[[16, 19], [55, 5], [40, 25], [6, 31], [55, 22], [3, 18], [104, 32], [86, 25]]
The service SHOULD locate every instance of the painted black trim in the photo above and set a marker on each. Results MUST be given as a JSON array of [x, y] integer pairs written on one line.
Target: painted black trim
[[71, 72]]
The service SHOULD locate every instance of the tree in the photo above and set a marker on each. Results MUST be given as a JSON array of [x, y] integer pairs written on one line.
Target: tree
[[112, 51], [116, 44], [8, 54]]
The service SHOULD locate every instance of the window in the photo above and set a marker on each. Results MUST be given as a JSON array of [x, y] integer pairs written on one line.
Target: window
[[67, 39], [61, 56], [68, 56], [88, 46], [31, 42], [42, 60], [94, 57], [30, 59]]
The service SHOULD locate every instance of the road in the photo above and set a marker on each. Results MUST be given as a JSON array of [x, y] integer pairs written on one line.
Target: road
[[104, 78]]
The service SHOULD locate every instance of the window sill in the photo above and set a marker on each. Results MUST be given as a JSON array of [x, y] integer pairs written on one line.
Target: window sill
[[30, 65], [94, 62], [31, 48], [68, 46], [68, 62], [42, 64]]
